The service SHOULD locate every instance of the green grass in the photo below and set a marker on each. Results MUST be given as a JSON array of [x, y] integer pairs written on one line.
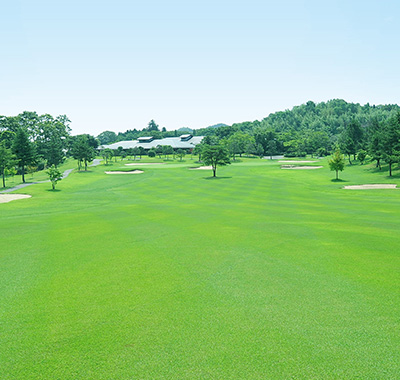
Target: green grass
[[261, 273]]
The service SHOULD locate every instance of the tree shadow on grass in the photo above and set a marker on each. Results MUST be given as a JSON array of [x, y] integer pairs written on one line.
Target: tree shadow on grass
[[338, 180], [53, 191], [215, 178]]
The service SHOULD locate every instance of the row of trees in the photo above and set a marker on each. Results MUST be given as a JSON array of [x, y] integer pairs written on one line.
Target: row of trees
[[34, 141]]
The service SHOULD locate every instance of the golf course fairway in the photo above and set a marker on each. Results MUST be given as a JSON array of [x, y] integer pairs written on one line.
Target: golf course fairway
[[260, 273]]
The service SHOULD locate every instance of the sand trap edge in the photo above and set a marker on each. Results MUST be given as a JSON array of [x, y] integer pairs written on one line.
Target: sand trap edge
[[5, 198], [130, 172], [145, 163], [295, 162], [370, 187], [294, 167], [202, 168]]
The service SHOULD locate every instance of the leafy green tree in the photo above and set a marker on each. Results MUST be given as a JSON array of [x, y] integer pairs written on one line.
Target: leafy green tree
[[7, 137], [54, 176], [135, 152], [152, 152], [391, 141], [361, 156], [7, 161], [255, 149], [180, 153], [29, 121], [375, 140], [197, 150], [152, 126], [236, 143], [336, 163], [167, 150], [351, 138], [215, 155], [24, 150], [82, 151], [107, 137], [120, 151], [159, 150], [51, 138], [107, 155]]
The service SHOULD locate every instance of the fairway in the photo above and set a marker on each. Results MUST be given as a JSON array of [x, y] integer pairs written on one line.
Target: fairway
[[260, 273]]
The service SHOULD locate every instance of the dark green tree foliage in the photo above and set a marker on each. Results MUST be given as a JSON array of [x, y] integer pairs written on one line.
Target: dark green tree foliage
[[361, 155], [135, 152], [51, 139], [255, 149], [215, 155], [375, 140], [391, 141], [7, 161], [120, 151], [336, 163], [352, 138], [197, 150], [29, 122], [107, 137], [237, 142], [24, 150], [107, 155], [166, 150], [82, 151], [180, 153], [152, 126], [264, 137], [159, 150]]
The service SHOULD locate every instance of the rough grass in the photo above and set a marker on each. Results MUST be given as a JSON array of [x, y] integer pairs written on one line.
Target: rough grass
[[264, 274]]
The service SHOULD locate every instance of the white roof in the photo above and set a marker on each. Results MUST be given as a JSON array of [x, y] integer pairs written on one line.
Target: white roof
[[175, 142]]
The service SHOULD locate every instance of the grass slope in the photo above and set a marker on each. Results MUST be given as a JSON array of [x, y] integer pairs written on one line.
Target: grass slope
[[260, 273]]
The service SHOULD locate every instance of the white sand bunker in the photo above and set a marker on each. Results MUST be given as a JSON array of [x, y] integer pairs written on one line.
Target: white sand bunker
[[300, 167], [370, 187], [146, 163], [4, 198], [129, 172], [296, 162], [202, 168]]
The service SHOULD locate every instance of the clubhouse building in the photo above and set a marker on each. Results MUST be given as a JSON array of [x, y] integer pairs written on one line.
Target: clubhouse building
[[187, 142]]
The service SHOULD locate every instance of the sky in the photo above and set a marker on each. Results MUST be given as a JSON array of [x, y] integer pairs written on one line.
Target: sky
[[115, 65]]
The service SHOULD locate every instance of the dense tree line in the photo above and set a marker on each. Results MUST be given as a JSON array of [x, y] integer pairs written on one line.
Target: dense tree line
[[30, 142], [317, 129]]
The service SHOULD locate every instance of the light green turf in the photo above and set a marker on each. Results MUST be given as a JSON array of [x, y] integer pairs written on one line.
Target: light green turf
[[261, 273]]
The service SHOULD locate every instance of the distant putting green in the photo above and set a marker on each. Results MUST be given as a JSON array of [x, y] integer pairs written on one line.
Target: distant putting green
[[260, 273]]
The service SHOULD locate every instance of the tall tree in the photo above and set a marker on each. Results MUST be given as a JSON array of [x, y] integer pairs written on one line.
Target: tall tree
[[82, 151], [7, 161], [391, 141], [375, 141], [215, 155], [152, 126], [24, 150]]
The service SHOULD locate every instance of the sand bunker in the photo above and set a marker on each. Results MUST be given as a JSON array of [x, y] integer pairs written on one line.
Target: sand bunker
[[370, 187], [4, 198], [296, 162], [300, 167], [146, 163], [129, 172], [202, 168]]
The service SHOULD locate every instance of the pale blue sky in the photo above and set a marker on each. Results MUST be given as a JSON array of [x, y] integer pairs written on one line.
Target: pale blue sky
[[114, 65]]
